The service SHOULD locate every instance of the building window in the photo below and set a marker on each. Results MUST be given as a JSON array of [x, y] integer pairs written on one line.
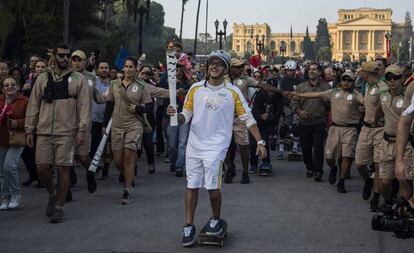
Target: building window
[[347, 40], [363, 40], [238, 48], [272, 45], [249, 46], [379, 40]]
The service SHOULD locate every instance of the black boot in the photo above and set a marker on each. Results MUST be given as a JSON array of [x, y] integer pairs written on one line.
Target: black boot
[[340, 186], [332, 175], [29, 181], [69, 196], [151, 168], [367, 189], [245, 178], [72, 176], [230, 174]]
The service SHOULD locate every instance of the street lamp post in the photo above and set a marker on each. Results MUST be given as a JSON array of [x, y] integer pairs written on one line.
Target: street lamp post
[[283, 51], [220, 33], [260, 44], [141, 11]]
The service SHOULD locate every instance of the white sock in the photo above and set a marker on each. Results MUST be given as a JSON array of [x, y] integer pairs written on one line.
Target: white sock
[[295, 144]]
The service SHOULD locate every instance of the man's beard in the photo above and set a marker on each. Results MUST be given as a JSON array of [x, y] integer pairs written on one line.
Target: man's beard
[[62, 65]]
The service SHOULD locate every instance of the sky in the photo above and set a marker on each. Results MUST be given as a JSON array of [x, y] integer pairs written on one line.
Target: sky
[[279, 14]]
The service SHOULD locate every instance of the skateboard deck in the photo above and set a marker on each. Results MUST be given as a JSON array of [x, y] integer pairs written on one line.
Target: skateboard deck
[[294, 156], [216, 240]]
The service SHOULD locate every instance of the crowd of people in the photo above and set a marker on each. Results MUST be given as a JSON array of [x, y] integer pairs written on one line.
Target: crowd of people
[[54, 112]]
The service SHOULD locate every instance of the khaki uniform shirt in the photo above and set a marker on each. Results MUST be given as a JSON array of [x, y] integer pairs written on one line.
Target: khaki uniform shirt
[[371, 101], [409, 91], [135, 93], [63, 117], [392, 106], [244, 83], [344, 105], [157, 92]]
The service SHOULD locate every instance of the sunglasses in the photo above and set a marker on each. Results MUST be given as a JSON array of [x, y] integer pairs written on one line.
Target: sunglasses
[[63, 55], [216, 63], [390, 77], [347, 79], [147, 73]]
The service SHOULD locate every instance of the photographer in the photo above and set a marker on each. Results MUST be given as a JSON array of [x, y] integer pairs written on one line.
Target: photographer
[[267, 109]]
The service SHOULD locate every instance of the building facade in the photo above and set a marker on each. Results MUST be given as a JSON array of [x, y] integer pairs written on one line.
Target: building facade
[[357, 35]]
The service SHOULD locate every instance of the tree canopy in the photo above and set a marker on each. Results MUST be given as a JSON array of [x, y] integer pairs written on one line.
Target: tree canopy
[[32, 26]]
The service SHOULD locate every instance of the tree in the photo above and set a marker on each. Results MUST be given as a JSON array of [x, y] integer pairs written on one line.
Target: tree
[[405, 42], [324, 54], [196, 28], [182, 18], [308, 47], [323, 45], [33, 26]]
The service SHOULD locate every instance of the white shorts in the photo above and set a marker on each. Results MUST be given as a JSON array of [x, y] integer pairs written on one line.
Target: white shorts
[[200, 171]]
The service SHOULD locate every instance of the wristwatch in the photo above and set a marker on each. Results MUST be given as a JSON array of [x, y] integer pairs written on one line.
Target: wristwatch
[[261, 142]]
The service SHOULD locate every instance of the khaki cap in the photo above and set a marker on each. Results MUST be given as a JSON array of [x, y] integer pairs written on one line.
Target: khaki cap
[[394, 69], [80, 54], [370, 67], [349, 74], [235, 62]]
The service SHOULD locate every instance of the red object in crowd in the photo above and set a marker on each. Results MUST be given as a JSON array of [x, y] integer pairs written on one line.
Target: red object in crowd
[[162, 67], [4, 112], [254, 61]]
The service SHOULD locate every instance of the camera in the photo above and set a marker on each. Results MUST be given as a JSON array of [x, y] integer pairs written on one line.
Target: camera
[[400, 221], [48, 94]]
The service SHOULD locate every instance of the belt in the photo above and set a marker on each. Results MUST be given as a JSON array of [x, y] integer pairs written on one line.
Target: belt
[[372, 125], [390, 138], [345, 125]]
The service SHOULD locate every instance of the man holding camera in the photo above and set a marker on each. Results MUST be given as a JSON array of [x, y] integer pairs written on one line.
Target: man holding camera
[[392, 99], [59, 112]]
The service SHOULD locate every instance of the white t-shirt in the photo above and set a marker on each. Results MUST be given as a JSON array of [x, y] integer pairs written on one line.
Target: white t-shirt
[[212, 110]]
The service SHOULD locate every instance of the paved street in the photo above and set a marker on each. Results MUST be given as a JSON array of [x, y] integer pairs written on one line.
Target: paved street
[[283, 213]]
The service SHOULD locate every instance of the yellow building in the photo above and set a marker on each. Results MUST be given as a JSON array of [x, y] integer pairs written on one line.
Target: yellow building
[[357, 35]]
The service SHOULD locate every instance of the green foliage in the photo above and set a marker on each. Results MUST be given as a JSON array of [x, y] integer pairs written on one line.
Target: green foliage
[[43, 33], [324, 54], [323, 45], [32, 26], [308, 47], [247, 56]]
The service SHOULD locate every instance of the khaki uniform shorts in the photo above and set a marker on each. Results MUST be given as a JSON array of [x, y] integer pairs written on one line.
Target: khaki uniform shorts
[[387, 161], [241, 133], [83, 150], [55, 150], [340, 142], [130, 139], [368, 148]]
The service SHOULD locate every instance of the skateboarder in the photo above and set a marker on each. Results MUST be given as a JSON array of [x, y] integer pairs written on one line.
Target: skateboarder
[[211, 105]]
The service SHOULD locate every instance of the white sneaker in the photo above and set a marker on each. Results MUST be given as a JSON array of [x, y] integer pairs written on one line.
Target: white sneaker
[[5, 204], [15, 201]]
